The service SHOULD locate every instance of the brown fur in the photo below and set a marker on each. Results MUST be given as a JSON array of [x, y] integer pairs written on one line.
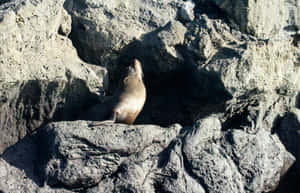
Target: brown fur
[[126, 104]]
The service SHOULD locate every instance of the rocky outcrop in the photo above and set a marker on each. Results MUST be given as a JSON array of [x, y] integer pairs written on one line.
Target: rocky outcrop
[[149, 158], [206, 58], [41, 76], [245, 62], [149, 31], [81, 156], [116, 24], [234, 161], [17, 166], [264, 19], [243, 68], [227, 71]]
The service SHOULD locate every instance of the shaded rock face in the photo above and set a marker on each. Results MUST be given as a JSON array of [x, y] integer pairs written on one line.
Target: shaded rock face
[[227, 71], [288, 132]]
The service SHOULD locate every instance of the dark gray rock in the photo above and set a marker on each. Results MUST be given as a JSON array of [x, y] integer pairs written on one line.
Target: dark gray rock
[[145, 158], [234, 160], [176, 179], [289, 133], [80, 156], [18, 169]]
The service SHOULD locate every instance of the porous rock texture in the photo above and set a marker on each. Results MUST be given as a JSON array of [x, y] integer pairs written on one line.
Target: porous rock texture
[[41, 76], [227, 71], [82, 156], [264, 19], [235, 160]]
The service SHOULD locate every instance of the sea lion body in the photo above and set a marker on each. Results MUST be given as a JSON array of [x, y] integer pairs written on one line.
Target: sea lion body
[[127, 103]]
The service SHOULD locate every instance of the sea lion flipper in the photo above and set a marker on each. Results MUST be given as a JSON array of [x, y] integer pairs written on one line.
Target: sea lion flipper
[[112, 119], [101, 123]]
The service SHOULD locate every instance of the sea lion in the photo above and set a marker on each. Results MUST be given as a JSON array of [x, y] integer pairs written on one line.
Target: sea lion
[[127, 102]]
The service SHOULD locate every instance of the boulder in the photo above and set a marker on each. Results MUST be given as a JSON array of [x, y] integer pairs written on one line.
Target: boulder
[[234, 160], [145, 158], [17, 169], [248, 77], [79, 156], [241, 63], [264, 19], [111, 33], [115, 24], [41, 76]]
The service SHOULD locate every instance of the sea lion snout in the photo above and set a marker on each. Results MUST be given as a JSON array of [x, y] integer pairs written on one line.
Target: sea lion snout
[[137, 67]]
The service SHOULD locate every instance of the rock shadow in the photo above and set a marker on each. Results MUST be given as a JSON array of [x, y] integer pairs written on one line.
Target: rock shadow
[[24, 156], [287, 128], [4, 1], [33, 104], [242, 114], [179, 94], [177, 91], [298, 101], [288, 132]]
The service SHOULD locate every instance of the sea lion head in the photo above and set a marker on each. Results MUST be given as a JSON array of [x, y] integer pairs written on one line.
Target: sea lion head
[[136, 69]]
